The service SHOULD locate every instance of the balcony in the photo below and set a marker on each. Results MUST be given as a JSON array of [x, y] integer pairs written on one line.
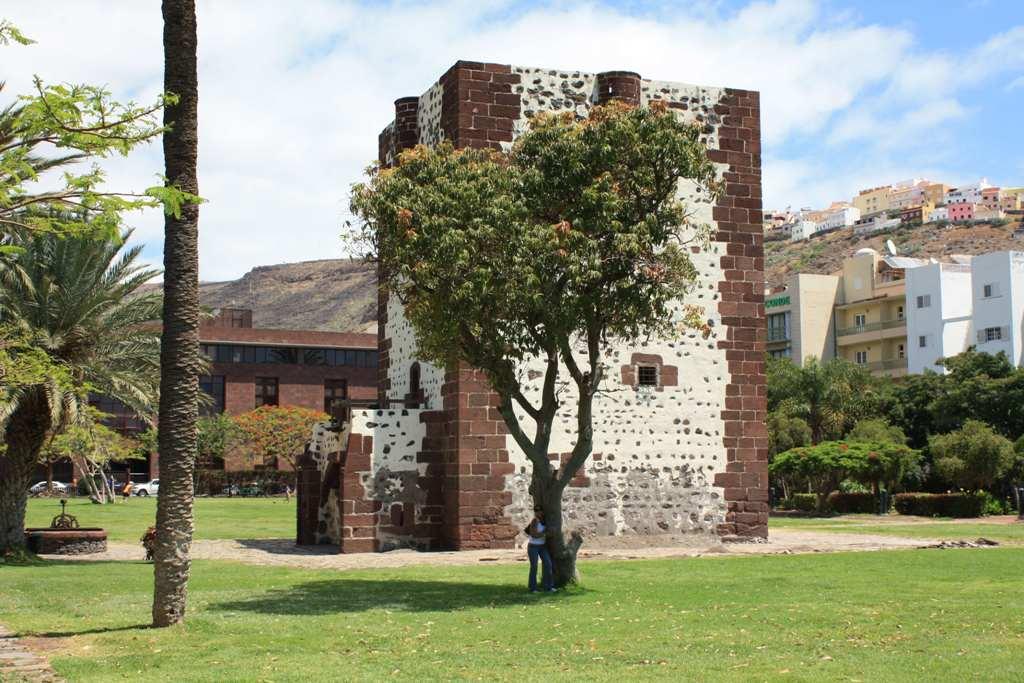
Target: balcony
[[886, 365], [872, 327], [776, 334]]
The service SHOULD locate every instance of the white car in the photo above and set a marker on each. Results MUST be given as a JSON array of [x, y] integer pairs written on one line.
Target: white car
[[58, 487], [150, 488]]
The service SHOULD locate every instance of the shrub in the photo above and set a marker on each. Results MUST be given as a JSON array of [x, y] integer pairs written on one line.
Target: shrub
[[804, 502], [941, 504], [972, 457], [845, 503]]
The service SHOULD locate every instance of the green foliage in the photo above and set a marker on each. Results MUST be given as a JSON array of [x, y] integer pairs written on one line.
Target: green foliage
[[58, 127], [9, 32], [973, 457], [830, 397], [81, 325], [824, 466], [877, 430], [802, 502], [786, 432], [90, 438], [852, 503], [216, 434], [942, 504], [576, 235]]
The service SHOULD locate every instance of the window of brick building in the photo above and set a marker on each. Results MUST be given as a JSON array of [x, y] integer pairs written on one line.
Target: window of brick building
[[335, 391], [647, 375], [266, 391], [213, 385]]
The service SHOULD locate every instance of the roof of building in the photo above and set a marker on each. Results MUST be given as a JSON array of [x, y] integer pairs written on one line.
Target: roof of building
[[209, 334], [903, 262]]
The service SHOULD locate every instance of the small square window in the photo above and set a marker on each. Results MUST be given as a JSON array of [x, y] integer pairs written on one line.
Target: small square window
[[993, 333], [924, 301], [647, 376], [922, 341], [862, 357], [989, 291]]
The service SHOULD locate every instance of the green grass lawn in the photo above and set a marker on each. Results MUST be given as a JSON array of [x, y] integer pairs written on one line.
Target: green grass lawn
[[945, 529], [215, 517], [886, 616]]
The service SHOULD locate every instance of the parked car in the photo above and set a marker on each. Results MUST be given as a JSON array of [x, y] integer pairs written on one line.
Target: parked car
[[150, 488], [58, 487]]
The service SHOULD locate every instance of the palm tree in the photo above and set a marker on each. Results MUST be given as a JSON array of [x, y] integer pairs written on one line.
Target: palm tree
[[830, 397], [180, 362], [76, 301]]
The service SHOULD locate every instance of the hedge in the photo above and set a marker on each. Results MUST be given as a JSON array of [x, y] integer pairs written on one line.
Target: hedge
[[804, 502], [845, 503], [941, 504]]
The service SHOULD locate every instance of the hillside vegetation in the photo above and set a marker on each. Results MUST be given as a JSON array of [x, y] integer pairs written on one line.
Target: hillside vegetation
[[825, 254]]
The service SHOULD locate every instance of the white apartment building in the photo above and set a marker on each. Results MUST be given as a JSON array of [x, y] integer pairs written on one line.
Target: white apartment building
[[939, 213], [998, 293], [841, 217], [939, 304], [967, 194], [866, 226], [801, 230]]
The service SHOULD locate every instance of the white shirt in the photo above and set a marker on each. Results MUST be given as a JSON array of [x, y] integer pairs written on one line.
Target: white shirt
[[540, 530]]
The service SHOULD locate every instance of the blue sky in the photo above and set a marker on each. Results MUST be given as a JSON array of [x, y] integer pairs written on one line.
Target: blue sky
[[293, 94]]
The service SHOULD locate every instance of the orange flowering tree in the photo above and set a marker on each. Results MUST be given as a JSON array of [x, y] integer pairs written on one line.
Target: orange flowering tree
[[577, 234], [278, 431]]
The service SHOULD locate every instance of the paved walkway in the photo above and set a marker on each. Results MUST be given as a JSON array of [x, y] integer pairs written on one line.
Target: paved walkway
[[17, 663], [283, 552]]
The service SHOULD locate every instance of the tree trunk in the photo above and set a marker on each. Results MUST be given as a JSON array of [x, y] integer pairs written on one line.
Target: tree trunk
[[179, 351], [547, 495], [24, 437], [49, 476]]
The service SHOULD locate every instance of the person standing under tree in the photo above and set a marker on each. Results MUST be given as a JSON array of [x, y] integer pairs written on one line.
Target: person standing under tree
[[536, 547]]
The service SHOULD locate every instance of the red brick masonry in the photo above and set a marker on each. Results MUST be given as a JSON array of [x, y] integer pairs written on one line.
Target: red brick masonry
[[738, 216]]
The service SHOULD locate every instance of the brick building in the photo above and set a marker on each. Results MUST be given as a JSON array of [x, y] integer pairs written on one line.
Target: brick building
[[680, 447], [252, 367]]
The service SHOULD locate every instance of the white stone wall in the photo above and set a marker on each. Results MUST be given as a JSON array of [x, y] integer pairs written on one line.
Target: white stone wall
[[402, 355]]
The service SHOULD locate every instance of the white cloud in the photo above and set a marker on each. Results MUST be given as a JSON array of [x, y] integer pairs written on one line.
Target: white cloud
[[292, 95]]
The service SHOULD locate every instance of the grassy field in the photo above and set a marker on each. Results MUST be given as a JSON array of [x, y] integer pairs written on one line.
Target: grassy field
[[884, 616], [215, 517], [945, 529]]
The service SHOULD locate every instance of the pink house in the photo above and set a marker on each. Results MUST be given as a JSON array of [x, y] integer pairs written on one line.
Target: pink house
[[961, 212]]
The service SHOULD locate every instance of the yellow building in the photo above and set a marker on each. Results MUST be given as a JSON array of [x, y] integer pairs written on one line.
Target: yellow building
[[871, 327], [800, 318], [934, 193], [875, 200]]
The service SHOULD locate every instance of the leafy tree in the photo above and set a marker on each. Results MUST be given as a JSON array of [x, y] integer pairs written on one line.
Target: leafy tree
[[215, 435], [91, 446], [180, 362], [909, 405], [45, 138], [575, 237], [825, 465], [973, 457], [829, 396], [877, 430], [280, 432], [786, 432], [74, 303]]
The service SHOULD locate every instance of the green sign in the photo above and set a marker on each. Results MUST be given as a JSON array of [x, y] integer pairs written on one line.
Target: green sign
[[776, 302]]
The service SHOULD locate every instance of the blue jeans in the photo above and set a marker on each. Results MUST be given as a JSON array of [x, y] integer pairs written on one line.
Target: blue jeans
[[548, 575]]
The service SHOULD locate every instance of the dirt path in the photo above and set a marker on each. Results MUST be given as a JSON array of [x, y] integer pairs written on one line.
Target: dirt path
[[18, 663], [283, 552]]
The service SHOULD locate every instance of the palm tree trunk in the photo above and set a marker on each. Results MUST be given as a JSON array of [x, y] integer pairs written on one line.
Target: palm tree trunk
[[24, 437], [179, 351]]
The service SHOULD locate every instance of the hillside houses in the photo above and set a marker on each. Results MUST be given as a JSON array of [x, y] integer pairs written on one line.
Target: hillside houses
[[916, 200]]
